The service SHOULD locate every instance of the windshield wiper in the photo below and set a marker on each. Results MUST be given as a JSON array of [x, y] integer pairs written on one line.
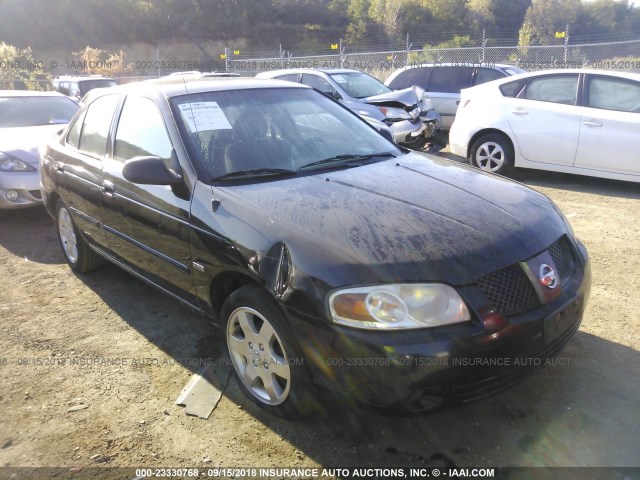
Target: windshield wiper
[[345, 161], [255, 172]]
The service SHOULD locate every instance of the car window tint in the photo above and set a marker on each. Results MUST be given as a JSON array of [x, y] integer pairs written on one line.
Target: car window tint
[[512, 89], [450, 79], [487, 74], [97, 122], [291, 77], [614, 94], [73, 137], [318, 83], [141, 131], [553, 88], [412, 76]]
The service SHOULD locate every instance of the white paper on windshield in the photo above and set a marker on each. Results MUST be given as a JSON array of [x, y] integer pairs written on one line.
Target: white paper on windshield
[[202, 116]]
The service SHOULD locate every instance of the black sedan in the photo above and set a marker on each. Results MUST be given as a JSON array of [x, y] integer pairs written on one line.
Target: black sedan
[[326, 254]]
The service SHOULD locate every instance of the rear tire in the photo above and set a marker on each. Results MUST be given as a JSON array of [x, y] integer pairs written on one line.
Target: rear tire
[[76, 251], [266, 358], [492, 153]]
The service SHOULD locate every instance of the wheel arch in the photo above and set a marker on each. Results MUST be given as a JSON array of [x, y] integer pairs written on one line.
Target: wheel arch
[[489, 131], [224, 284]]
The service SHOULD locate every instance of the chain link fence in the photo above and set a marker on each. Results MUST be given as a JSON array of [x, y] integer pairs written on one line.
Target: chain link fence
[[619, 56]]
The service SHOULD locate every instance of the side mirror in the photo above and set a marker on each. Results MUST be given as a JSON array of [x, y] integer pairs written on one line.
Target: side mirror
[[150, 171]]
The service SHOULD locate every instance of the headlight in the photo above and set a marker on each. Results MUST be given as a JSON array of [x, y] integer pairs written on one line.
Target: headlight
[[399, 306], [395, 113], [12, 164]]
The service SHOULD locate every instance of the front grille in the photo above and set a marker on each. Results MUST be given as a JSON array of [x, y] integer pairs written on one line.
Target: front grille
[[562, 255], [509, 289]]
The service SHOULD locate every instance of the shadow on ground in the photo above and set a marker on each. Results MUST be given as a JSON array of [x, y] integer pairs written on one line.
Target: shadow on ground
[[581, 410]]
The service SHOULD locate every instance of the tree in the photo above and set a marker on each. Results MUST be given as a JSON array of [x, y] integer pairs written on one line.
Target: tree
[[20, 70], [544, 18], [387, 13]]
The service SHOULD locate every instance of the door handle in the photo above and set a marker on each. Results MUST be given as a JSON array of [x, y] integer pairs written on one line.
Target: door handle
[[108, 189], [59, 167], [520, 112], [458, 102], [590, 123]]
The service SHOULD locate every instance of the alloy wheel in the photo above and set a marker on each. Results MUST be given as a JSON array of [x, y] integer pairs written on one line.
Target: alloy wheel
[[258, 355]]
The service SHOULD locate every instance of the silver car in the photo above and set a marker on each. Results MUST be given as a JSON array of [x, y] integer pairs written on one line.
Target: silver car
[[28, 120], [410, 118], [442, 82]]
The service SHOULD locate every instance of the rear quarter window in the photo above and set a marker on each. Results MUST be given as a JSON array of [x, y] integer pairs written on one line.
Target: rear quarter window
[[512, 89]]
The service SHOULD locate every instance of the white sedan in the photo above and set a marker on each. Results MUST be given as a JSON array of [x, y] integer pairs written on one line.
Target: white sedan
[[28, 120], [574, 121]]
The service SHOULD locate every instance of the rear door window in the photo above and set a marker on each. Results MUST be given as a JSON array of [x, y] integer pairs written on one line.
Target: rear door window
[[450, 79], [73, 137], [97, 123], [561, 88]]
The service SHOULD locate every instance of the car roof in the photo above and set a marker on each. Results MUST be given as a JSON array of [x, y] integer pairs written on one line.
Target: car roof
[[181, 85], [29, 93], [328, 71], [77, 78], [626, 75], [457, 64]]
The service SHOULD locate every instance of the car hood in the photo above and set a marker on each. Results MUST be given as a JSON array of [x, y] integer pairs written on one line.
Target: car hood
[[24, 142], [417, 218], [406, 97]]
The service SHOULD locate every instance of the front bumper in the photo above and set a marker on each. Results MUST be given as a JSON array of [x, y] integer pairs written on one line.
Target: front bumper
[[19, 190], [406, 132], [422, 369]]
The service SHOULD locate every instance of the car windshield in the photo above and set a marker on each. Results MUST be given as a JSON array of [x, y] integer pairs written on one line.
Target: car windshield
[[271, 132], [360, 85], [37, 110]]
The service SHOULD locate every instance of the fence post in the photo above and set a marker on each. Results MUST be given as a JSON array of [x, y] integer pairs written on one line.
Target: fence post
[[484, 44], [340, 53], [566, 43]]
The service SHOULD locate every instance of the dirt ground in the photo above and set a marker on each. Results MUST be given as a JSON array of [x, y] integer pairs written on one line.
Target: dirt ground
[[135, 349]]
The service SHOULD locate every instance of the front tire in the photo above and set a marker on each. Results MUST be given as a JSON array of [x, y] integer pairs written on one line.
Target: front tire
[[77, 252], [265, 355], [492, 153]]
